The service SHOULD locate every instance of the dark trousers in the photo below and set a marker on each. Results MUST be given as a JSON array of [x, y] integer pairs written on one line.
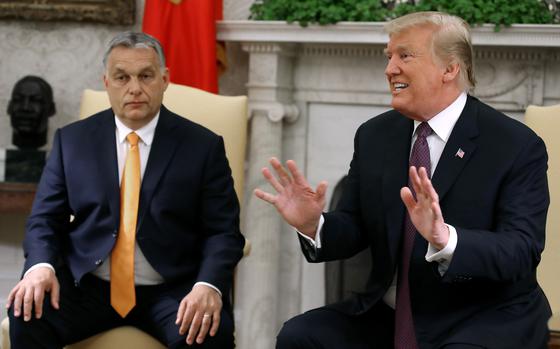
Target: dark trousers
[[85, 310], [325, 328]]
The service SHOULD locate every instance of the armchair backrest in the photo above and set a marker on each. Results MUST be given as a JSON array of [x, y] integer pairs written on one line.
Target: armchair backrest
[[545, 121], [225, 115]]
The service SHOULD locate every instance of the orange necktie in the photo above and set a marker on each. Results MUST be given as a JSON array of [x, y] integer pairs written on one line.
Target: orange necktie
[[123, 295]]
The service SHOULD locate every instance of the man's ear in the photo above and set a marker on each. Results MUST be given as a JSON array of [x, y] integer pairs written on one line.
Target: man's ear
[[451, 72], [105, 80], [165, 77]]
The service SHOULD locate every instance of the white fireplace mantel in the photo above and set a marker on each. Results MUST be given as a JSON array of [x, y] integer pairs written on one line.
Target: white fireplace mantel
[[309, 89], [519, 35]]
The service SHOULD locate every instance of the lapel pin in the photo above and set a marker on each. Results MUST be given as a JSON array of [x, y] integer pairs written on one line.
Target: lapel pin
[[460, 153]]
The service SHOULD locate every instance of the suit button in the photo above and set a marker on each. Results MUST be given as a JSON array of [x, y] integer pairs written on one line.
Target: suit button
[[76, 283], [114, 235], [99, 261]]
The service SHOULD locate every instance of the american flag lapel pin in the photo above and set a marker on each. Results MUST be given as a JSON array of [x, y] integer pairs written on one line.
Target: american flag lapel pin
[[460, 153]]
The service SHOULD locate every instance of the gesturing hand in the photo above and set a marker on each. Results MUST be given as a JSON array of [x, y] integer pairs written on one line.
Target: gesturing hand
[[30, 293], [295, 200], [199, 313], [425, 212]]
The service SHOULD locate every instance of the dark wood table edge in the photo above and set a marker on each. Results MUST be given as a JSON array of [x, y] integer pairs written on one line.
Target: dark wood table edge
[[16, 197]]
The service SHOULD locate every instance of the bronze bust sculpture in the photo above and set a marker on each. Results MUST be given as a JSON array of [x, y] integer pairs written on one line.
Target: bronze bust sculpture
[[29, 108]]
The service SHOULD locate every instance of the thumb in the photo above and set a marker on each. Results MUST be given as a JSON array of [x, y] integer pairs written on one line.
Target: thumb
[[321, 189]]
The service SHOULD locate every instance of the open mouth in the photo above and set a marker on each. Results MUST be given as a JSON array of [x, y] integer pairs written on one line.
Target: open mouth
[[399, 86]]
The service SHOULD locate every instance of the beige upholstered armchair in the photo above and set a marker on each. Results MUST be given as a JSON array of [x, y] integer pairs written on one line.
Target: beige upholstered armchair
[[226, 116], [545, 121]]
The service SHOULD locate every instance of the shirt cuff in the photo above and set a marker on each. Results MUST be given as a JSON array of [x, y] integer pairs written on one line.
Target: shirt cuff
[[445, 255], [317, 242], [39, 265], [209, 285]]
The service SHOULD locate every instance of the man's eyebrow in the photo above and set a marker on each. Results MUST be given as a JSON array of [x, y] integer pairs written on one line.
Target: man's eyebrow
[[397, 48], [119, 70]]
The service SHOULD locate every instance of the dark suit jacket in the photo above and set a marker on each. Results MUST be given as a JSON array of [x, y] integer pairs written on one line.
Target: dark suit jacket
[[188, 217], [496, 196]]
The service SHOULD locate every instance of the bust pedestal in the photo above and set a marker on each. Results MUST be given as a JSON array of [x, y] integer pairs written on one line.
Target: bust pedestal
[[21, 165]]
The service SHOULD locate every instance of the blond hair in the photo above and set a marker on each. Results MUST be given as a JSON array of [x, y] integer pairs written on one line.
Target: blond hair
[[451, 42]]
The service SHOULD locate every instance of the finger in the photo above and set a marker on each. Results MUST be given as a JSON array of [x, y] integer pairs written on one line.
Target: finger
[[272, 180], [431, 191], [38, 297], [216, 318], [408, 199], [194, 328], [204, 327], [271, 199], [282, 174], [414, 179], [28, 303], [11, 296], [187, 319], [321, 190], [296, 173], [180, 312], [55, 294], [425, 182], [18, 301]]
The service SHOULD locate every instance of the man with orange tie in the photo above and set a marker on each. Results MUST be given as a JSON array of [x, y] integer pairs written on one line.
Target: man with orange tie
[[154, 237]]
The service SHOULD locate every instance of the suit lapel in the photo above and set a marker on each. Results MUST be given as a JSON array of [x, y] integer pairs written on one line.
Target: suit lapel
[[395, 177], [161, 153], [458, 150], [106, 157]]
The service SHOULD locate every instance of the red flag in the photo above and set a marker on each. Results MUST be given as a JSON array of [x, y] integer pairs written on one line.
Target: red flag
[[187, 32]]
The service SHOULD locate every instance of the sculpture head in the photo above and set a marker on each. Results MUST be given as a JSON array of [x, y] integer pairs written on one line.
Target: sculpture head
[[29, 108]]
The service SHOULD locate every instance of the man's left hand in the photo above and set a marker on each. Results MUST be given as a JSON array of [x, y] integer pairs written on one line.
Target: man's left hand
[[199, 313], [425, 212]]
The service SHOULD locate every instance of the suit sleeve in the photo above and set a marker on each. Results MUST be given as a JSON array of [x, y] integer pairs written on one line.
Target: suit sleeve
[[512, 249], [50, 214], [223, 243]]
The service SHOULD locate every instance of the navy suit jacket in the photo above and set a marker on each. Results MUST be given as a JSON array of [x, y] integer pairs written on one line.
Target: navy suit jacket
[[495, 195], [188, 217]]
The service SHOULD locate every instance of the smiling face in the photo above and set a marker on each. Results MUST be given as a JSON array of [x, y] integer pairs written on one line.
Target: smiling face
[[420, 85], [135, 84]]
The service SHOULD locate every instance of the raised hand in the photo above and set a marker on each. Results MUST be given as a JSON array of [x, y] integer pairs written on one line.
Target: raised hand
[[295, 200], [425, 212]]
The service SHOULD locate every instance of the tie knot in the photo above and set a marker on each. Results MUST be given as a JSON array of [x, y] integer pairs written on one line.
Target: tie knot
[[132, 138], [423, 130]]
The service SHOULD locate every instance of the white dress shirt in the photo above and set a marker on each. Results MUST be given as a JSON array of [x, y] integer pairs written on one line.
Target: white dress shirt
[[442, 124], [144, 273]]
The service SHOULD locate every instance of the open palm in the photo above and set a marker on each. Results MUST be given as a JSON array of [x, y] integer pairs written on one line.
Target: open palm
[[425, 212], [295, 200]]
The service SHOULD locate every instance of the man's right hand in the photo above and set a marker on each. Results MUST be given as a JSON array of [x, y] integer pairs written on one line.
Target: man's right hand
[[295, 200], [30, 292]]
